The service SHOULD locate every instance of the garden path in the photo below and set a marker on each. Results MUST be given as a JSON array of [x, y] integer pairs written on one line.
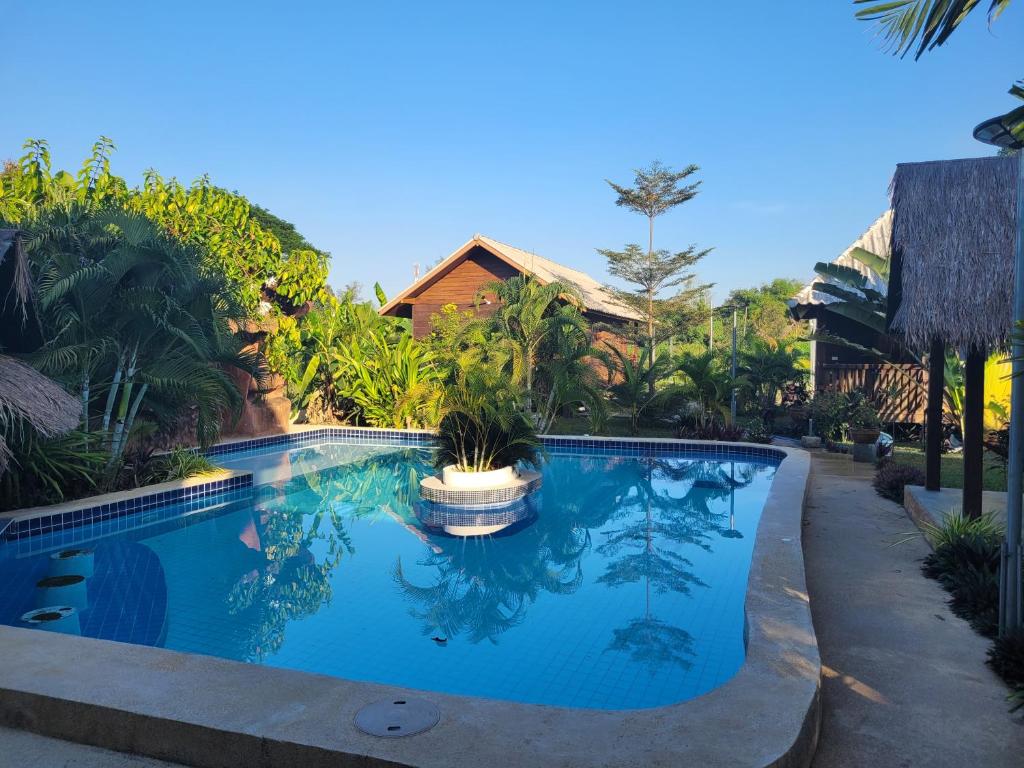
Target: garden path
[[21, 748], [904, 682]]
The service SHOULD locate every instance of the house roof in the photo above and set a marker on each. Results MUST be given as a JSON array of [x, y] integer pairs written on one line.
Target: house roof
[[596, 297], [876, 240], [953, 236]]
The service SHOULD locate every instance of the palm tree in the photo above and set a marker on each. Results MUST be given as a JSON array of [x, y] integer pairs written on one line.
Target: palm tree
[[128, 307], [65, 245], [768, 369], [635, 384], [567, 373], [707, 384], [927, 24], [531, 315]]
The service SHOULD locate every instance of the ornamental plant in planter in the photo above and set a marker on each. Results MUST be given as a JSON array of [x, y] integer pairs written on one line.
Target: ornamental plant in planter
[[862, 421], [864, 428], [483, 434]]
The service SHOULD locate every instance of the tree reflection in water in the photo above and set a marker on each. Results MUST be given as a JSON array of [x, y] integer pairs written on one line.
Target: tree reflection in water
[[312, 507], [480, 593], [646, 548], [483, 587]]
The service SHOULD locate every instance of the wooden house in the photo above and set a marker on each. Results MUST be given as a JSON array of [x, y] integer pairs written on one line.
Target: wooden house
[[459, 279]]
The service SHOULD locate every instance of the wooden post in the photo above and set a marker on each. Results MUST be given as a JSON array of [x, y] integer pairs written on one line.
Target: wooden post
[[974, 430], [933, 416]]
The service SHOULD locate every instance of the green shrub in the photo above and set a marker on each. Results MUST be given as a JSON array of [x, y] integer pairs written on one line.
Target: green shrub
[[860, 413], [828, 409], [966, 563], [179, 464], [712, 429], [49, 471], [757, 432], [1006, 657], [891, 477]]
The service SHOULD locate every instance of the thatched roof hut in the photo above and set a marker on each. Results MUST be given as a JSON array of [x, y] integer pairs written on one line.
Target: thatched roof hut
[[954, 229], [951, 285], [29, 400]]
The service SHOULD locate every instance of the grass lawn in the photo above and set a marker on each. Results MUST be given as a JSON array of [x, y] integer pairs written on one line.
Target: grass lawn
[[952, 471], [615, 426]]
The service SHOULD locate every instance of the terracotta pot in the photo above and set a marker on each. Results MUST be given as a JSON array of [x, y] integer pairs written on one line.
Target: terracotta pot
[[864, 436]]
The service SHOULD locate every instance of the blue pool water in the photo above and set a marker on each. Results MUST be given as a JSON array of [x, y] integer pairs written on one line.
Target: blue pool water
[[624, 590]]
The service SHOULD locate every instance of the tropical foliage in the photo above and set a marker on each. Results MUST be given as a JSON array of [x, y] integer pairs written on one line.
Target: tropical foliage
[[134, 296], [483, 426], [391, 383], [218, 223], [635, 385], [921, 25], [539, 337], [344, 362], [965, 561]]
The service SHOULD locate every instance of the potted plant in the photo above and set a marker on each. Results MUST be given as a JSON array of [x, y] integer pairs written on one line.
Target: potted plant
[[863, 424], [863, 427], [483, 434]]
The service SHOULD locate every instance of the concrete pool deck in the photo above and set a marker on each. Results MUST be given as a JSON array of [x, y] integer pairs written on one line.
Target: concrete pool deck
[[904, 680], [205, 711], [932, 507]]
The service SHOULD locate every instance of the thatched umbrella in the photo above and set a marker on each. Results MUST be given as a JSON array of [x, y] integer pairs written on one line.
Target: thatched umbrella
[[951, 282], [29, 400]]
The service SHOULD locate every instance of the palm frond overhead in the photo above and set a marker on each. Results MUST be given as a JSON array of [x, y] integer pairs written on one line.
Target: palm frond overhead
[[906, 25]]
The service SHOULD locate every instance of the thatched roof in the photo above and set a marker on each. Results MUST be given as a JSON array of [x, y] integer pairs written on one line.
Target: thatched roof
[[954, 231], [876, 240], [28, 399]]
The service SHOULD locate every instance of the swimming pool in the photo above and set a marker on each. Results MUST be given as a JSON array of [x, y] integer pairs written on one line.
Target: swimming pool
[[624, 588]]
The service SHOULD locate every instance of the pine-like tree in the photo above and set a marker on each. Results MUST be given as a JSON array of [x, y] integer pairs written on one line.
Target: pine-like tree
[[656, 190]]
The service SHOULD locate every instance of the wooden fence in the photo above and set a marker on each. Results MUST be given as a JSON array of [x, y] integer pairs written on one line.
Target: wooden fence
[[901, 389]]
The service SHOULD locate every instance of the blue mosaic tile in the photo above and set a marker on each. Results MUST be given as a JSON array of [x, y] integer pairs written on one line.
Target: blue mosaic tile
[[101, 513], [347, 435]]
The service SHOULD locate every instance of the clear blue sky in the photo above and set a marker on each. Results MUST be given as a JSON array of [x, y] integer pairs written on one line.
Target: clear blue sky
[[390, 132]]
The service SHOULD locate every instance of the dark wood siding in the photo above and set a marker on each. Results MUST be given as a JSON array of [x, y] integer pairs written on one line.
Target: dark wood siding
[[901, 385], [459, 286]]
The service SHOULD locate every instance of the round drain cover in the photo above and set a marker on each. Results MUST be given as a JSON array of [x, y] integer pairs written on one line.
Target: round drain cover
[[397, 717]]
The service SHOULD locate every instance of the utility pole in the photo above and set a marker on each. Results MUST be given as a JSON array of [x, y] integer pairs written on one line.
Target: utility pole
[[1011, 602], [732, 402], [999, 132]]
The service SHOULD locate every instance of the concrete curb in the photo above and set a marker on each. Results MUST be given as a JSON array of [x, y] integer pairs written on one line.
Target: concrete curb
[[211, 712]]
